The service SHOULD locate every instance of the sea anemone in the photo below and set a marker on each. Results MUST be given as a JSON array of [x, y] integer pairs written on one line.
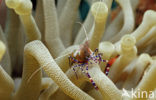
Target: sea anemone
[[62, 49]]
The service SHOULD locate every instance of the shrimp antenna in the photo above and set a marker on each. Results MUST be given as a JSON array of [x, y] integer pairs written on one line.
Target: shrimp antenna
[[84, 30], [37, 70]]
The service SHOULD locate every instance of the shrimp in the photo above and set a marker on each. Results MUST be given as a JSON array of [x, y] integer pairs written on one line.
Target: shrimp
[[81, 58]]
